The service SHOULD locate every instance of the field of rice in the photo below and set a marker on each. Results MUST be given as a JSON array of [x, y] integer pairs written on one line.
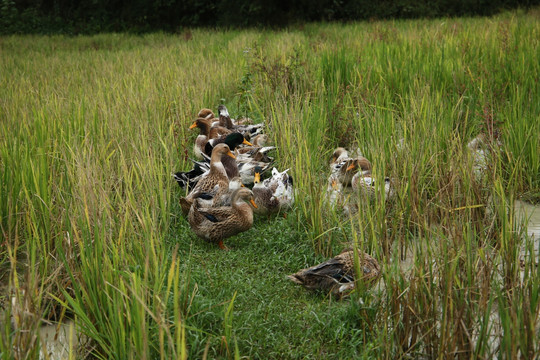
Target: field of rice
[[92, 127]]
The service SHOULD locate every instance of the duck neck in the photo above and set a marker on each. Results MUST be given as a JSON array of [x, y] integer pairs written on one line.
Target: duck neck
[[230, 165], [225, 121], [216, 165], [204, 126], [241, 206], [258, 185]]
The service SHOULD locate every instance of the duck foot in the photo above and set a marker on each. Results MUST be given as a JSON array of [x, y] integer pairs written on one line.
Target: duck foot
[[222, 245]]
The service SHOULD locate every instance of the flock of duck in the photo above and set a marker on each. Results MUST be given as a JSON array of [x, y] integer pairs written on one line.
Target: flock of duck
[[219, 203], [233, 156]]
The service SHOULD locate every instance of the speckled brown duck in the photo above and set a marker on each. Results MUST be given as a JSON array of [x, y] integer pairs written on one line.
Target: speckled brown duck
[[364, 183], [216, 181], [274, 193], [206, 113], [337, 275], [233, 140], [215, 224], [344, 167], [248, 130], [207, 132]]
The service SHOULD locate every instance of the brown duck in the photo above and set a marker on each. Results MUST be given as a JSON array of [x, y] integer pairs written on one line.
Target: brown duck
[[206, 113], [345, 168], [233, 140], [215, 182], [207, 132], [274, 193], [337, 275], [217, 223]]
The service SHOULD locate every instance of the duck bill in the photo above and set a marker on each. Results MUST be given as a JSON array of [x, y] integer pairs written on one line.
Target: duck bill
[[253, 203], [257, 178], [350, 167], [192, 126], [231, 154], [245, 142]]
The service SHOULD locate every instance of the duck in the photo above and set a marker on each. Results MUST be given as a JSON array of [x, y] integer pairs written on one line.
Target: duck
[[274, 193], [246, 157], [215, 224], [337, 275], [233, 140], [364, 183], [206, 113], [255, 153], [340, 197], [246, 168], [215, 181], [343, 166], [346, 168], [207, 132], [260, 140], [215, 197], [250, 157], [338, 155], [334, 192], [248, 130]]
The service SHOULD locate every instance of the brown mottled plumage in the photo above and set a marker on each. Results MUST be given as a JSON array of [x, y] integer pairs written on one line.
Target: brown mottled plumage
[[344, 167], [233, 140], [339, 154], [260, 140], [364, 183], [207, 132], [264, 197], [337, 275], [217, 223], [274, 193], [215, 182], [206, 113]]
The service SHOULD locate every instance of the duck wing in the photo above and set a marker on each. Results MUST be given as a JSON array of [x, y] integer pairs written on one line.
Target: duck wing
[[325, 276], [190, 178]]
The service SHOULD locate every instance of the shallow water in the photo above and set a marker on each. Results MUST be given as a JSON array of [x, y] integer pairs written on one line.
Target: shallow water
[[529, 215], [525, 211], [61, 341]]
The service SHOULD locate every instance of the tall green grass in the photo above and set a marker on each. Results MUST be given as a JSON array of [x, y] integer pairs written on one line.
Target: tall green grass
[[92, 128]]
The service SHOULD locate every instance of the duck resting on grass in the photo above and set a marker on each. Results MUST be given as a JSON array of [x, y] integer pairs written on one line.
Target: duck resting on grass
[[215, 224], [337, 275]]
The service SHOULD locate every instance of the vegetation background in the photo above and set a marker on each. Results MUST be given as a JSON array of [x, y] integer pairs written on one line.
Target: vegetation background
[[91, 128], [76, 17]]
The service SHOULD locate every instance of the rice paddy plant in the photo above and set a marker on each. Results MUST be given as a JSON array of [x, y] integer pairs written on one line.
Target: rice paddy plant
[[92, 128]]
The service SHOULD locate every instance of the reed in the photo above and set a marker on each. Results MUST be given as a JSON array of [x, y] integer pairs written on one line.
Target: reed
[[91, 228]]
